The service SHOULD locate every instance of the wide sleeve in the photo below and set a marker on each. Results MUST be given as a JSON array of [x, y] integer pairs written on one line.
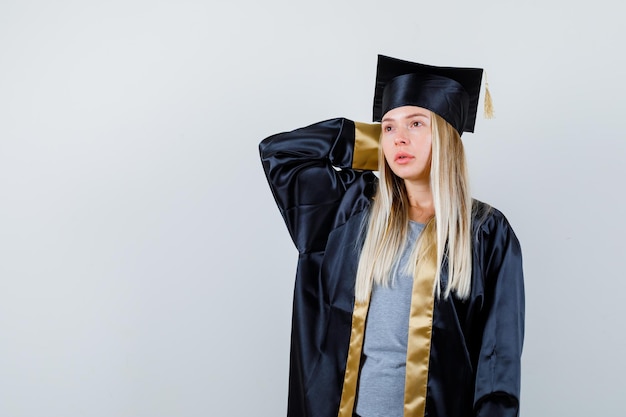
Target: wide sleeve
[[499, 362], [319, 175]]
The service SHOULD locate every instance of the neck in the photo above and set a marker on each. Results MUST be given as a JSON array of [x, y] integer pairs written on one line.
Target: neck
[[421, 206]]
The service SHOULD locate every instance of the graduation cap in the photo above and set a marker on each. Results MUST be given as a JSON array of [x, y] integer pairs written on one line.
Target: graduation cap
[[451, 93]]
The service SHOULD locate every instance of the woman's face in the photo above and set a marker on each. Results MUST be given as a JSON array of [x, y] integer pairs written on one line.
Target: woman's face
[[406, 142]]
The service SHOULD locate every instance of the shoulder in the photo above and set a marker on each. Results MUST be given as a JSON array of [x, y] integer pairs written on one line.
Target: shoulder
[[492, 232], [497, 253], [488, 219]]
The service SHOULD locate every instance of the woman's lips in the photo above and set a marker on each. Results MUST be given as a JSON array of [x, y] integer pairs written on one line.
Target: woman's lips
[[402, 158]]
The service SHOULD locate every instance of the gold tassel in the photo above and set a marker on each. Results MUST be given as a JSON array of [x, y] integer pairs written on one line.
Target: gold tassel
[[489, 111]]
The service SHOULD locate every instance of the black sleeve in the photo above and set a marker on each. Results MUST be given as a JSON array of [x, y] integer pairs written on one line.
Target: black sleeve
[[499, 363], [310, 171]]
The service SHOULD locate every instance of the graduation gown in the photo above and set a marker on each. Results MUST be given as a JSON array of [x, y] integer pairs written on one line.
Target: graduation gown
[[321, 178]]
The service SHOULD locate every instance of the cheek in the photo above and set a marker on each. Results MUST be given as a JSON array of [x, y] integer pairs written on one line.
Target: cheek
[[387, 149], [427, 146]]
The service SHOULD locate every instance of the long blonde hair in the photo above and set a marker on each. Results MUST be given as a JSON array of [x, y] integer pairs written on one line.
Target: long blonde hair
[[387, 226]]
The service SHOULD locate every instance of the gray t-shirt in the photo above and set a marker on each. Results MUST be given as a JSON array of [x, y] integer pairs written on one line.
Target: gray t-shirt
[[381, 384]]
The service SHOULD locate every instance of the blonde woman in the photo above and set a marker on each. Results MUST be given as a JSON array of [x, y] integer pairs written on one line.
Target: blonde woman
[[409, 295]]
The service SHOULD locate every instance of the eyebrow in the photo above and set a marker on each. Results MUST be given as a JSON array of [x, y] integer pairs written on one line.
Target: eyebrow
[[410, 116]]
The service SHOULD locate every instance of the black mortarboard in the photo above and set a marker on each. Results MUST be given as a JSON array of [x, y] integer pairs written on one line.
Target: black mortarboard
[[451, 93]]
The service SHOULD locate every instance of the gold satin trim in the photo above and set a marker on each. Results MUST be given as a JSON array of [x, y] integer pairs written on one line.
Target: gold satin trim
[[353, 364], [366, 138], [420, 326], [420, 331]]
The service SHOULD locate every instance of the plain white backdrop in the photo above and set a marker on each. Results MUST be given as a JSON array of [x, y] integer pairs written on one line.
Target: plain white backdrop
[[144, 268]]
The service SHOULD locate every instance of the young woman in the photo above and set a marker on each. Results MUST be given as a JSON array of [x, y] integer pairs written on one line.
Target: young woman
[[409, 297]]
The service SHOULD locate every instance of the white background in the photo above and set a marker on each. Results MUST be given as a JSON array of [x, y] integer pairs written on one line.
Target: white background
[[144, 268]]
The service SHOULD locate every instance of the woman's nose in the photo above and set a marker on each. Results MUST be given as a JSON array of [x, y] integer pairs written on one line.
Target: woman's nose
[[401, 137]]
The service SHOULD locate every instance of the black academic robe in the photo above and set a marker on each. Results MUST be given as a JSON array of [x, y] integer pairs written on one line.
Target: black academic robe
[[323, 184]]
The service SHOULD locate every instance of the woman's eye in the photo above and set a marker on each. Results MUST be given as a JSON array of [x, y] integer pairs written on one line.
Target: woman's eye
[[416, 124], [387, 128]]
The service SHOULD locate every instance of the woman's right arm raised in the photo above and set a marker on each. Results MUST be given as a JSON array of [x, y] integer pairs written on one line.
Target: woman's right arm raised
[[311, 170]]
